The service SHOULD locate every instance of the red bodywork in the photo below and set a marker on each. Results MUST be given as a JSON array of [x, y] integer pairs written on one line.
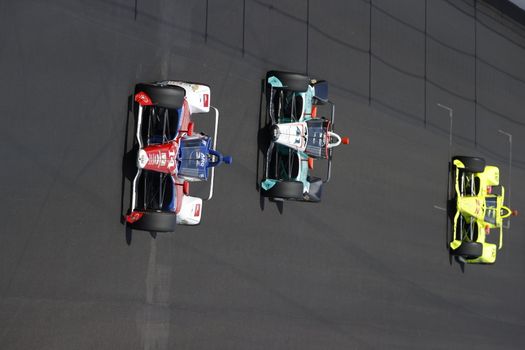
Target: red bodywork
[[134, 216], [163, 157], [143, 99]]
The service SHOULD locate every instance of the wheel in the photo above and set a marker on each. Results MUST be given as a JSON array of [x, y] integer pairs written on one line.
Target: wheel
[[469, 250], [156, 221], [291, 81], [165, 96], [286, 190], [472, 164]]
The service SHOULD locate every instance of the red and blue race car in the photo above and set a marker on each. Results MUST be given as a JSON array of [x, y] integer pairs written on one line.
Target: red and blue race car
[[171, 155]]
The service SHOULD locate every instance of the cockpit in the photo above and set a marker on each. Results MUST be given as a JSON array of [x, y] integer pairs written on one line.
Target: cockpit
[[196, 157], [321, 139]]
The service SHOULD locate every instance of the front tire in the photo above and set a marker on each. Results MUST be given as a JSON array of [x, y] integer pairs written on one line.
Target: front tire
[[156, 221], [289, 190], [291, 81], [469, 250], [168, 96], [472, 164]]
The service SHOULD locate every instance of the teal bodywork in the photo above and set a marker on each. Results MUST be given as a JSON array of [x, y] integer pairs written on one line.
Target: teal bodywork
[[268, 183], [305, 115]]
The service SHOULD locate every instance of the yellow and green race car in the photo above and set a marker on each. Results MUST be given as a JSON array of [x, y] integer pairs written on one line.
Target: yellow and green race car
[[479, 208]]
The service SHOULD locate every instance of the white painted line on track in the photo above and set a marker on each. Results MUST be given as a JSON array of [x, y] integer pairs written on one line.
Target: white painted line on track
[[151, 272], [439, 208], [153, 319]]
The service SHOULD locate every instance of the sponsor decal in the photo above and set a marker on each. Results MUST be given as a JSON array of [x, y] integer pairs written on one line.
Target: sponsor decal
[[161, 157], [197, 211], [199, 157], [155, 159], [206, 100]]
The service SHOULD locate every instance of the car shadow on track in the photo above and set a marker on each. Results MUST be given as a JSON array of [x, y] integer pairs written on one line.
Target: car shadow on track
[[451, 211], [129, 168], [263, 142]]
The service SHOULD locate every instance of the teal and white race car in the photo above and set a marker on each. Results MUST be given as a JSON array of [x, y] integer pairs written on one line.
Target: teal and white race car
[[298, 136]]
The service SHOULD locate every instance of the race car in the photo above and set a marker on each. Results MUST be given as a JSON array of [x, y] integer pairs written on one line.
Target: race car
[[171, 155], [298, 136], [479, 207]]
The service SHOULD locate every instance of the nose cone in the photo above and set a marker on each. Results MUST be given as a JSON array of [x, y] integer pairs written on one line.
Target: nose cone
[[142, 159], [274, 132], [471, 206]]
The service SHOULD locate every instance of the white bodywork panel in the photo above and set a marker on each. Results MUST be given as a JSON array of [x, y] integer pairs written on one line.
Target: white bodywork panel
[[142, 159], [197, 95], [190, 211], [293, 135]]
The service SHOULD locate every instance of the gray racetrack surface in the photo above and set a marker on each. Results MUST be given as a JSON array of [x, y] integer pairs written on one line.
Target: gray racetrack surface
[[367, 268]]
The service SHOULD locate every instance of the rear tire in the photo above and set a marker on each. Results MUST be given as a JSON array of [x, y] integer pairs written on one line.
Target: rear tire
[[469, 250], [472, 164], [156, 221], [168, 96], [290, 190], [291, 81]]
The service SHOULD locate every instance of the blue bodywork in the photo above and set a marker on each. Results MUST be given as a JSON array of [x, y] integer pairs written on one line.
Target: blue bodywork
[[193, 158]]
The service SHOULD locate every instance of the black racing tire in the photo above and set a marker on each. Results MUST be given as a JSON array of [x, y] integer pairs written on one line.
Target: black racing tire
[[291, 81], [168, 96], [289, 190], [469, 250], [472, 164], [156, 221]]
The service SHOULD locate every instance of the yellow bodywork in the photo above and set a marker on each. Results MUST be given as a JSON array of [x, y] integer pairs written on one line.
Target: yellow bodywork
[[482, 209]]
